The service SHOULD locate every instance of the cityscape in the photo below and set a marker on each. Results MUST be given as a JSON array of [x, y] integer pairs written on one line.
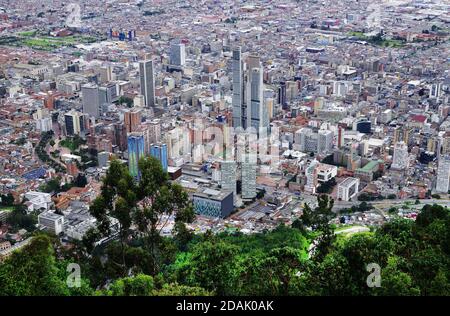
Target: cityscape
[[225, 148]]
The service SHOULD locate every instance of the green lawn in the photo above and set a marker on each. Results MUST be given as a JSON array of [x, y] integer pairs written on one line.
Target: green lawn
[[7, 208], [45, 42]]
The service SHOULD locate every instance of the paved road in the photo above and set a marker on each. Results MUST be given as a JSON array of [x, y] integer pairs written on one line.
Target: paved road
[[389, 203]]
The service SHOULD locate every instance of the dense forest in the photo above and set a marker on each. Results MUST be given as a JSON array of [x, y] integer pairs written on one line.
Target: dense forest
[[305, 259]]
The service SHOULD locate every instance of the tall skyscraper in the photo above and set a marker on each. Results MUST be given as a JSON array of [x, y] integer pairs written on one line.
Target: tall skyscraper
[[91, 100], [159, 151], [443, 174], [248, 168], [135, 152], [177, 54], [257, 114], [228, 176], [400, 159], [282, 95], [239, 101], [147, 77]]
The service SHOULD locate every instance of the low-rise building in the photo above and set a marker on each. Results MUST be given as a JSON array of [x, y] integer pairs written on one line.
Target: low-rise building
[[213, 203], [348, 188], [52, 222]]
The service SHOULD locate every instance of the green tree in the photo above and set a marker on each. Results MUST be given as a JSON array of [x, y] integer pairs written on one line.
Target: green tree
[[139, 285], [395, 282], [175, 289], [18, 219], [214, 267], [33, 271], [117, 199]]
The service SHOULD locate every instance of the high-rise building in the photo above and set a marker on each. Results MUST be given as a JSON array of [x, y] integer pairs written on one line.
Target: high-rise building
[[401, 133], [177, 54], [152, 133], [306, 140], [341, 137], [147, 78], [91, 100], [43, 120], [311, 177], [132, 120], [74, 123], [443, 174], [107, 94], [282, 95], [248, 168], [228, 176], [257, 114], [400, 159], [435, 90], [239, 101], [159, 151], [105, 74], [135, 152], [324, 141]]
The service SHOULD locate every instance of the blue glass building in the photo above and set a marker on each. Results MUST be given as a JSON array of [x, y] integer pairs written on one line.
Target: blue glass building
[[159, 151], [135, 152]]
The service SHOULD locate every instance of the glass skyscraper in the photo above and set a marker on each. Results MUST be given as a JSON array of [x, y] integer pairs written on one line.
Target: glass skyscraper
[[135, 152], [159, 151]]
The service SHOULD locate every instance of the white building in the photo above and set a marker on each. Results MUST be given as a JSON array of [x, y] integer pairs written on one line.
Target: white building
[[52, 222], [306, 140], [325, 172], [38, 200], [443, 174], [348, 188], [400, 160]]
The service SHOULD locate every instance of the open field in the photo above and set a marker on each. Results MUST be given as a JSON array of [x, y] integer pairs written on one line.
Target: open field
[[38, 41]]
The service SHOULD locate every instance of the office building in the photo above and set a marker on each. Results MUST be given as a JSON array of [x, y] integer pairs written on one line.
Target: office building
[[44, 124], [306, 140], [228, 176], [257, 115], [443, 174], [213, 203], [159, 151], [107, 94], [135, 152], [147, 80], [177, 54], [248, 180], [74, 123], [91, 100], [348, 189], [400, 159], [239, 101], [282, 96], [52, 222], [152, 133], [132, 120]]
